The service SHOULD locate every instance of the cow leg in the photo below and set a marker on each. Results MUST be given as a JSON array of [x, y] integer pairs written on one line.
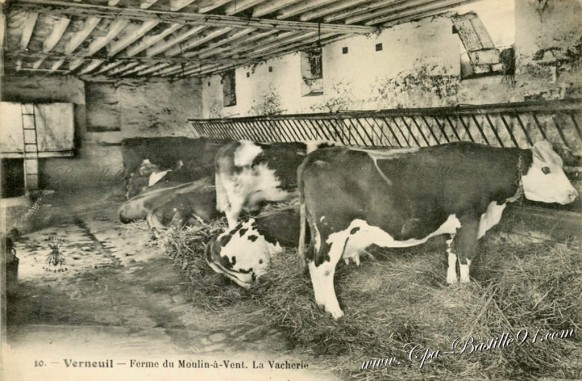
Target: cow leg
[[452, 269], [322, 278], [466, 242], [234, 210]]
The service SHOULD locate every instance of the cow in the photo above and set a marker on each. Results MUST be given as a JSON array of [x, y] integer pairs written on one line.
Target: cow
[[196, 155], [248, 174], [244, 253], [148, 175], [352, 198], [187, 208], [201, 196]]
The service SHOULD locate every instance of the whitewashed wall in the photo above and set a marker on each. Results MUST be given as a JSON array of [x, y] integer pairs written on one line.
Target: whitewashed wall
[[418, 66]]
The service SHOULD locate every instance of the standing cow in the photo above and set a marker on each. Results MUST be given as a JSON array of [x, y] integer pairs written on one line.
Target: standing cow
[[353, 198], [249, 173]]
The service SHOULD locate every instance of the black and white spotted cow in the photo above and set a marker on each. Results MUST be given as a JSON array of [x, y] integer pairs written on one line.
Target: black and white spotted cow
[[248, 174], [244, 253], [353, 198]]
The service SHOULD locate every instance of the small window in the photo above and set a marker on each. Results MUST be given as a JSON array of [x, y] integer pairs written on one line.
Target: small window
[[270, 69], [345, 50], [248, 74], [312, 72], [378, 47], [229, 88]]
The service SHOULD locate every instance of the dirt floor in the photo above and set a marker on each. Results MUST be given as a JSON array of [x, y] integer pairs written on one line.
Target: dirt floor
[[118, 308]]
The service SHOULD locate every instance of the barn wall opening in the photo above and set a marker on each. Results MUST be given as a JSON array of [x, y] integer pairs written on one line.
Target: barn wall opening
[[12, 175], [229, 88], [311, 72]]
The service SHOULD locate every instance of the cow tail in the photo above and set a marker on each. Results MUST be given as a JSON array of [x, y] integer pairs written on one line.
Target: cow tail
[[302, 221]]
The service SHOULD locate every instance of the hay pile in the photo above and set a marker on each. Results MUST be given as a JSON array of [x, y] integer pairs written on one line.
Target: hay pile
[[401, 300]]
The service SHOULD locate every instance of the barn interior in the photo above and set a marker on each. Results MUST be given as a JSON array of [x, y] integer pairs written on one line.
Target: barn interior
[[91, 88]]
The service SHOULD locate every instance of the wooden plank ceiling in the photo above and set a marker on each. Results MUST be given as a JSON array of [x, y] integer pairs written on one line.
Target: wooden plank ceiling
[[185, 38]]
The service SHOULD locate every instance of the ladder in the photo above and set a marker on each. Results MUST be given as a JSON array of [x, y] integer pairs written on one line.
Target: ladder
[[30, 151]]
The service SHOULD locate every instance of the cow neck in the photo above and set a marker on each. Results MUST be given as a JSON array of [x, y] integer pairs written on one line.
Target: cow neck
[[518, 181]]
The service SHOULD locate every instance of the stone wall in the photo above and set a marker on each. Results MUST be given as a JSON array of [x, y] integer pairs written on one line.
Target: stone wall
[[155, 108]]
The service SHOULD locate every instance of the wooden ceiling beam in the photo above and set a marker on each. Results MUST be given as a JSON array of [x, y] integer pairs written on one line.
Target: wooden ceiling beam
[[57, 64], [57, 33], [434, 7], [133, 36], [122, 69], [239, 6], [271, 6], [109, 66], [124, 59], [336, 7], [296, 9], [134, 69], [212, 47], [287, 45], [74, 64], [212, 5], [156, 67], [27, 30], [189, 18], [391, 10], [146, 42], [363, 9], [258, 38], [113, 30], [145, 4], [197, 41], [53, 39], [78, 38], [94, 64], [176, 5], [162, 46]]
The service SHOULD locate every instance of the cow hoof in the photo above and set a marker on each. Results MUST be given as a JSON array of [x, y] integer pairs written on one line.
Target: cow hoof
[[336, 314], [452, 280]]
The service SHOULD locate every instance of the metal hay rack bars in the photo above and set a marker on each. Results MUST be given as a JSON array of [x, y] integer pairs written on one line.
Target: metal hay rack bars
[[501, 125]]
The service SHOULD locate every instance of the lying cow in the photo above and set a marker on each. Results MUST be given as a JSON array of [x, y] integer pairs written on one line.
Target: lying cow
[[195, 206], [249, 173], [198, 197], [398, 198], [244, 253], [148, 175]]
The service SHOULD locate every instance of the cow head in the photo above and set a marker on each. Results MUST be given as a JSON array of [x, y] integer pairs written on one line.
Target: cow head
[[545, 180], [242, 254]]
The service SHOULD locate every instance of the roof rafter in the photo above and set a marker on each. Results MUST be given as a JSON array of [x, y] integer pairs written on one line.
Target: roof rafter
[[302, 7], [133, 36], [331, 9], [239, 6], [53, 39], [366, 8], [165, 45], [82, 9], [432, 8], [28, 29], [197, 42], [271, 6], [391, 10]]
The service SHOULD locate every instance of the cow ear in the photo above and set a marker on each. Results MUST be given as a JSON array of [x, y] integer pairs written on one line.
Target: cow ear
[[544, 151], [541, 149]]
